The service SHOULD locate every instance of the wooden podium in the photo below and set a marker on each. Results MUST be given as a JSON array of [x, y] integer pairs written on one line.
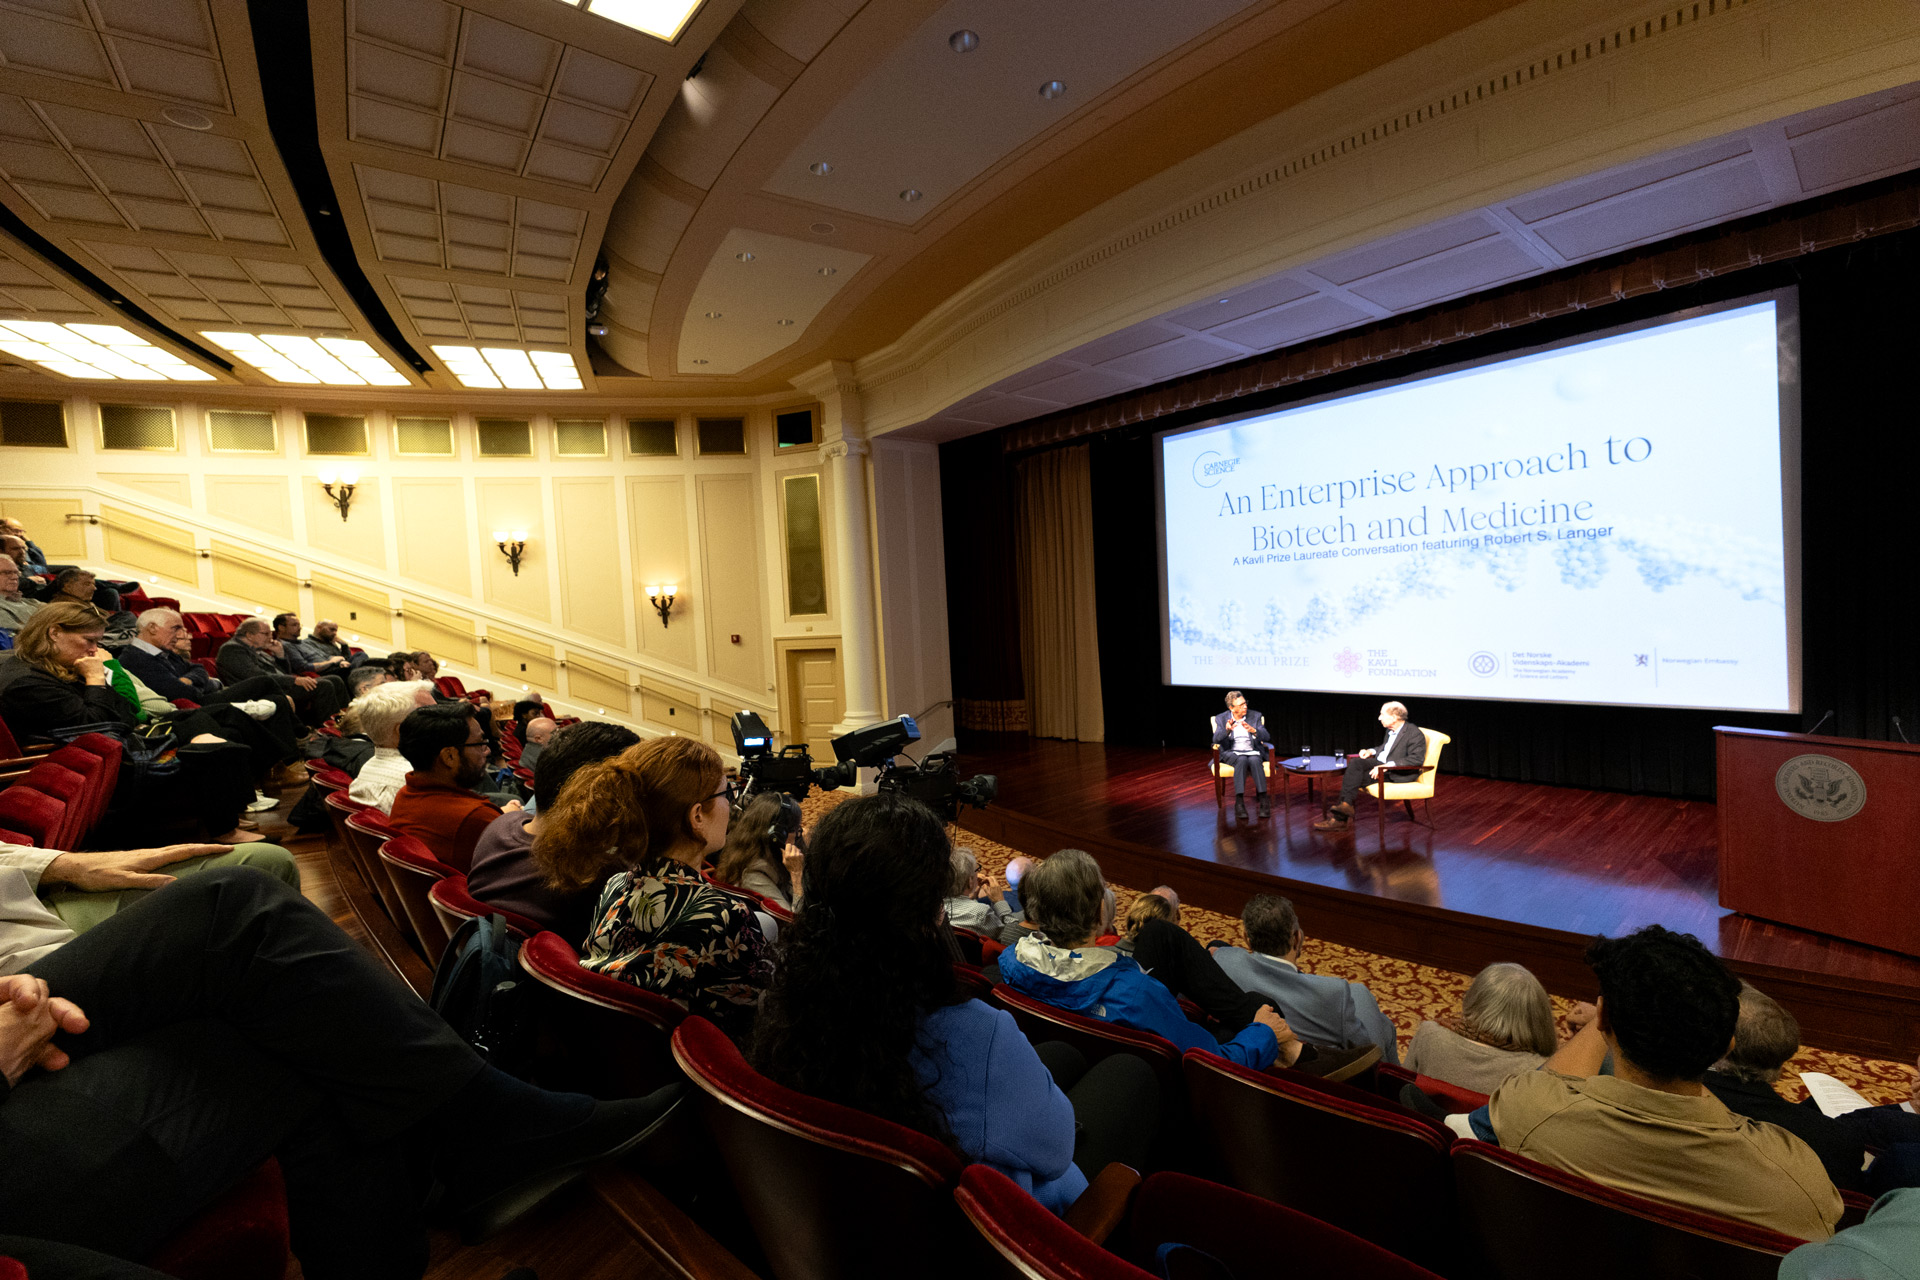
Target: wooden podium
[[1821, 833]]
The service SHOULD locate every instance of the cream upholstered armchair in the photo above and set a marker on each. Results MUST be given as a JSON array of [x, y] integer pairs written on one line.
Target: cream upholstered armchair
[[1223, 773], [1421, 788]]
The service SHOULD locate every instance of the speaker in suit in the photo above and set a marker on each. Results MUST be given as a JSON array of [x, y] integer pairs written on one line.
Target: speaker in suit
[[1399, 754], [1241, 734]]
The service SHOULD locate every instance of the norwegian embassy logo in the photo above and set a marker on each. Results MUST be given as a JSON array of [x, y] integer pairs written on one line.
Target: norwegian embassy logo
[[1484, 664], [1821, 788], [1210, 466]]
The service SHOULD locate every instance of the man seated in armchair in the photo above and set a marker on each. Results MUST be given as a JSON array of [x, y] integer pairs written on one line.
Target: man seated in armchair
[[1397, 759]]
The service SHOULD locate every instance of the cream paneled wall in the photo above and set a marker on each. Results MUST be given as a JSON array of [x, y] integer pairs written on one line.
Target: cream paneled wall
[[414, 564]]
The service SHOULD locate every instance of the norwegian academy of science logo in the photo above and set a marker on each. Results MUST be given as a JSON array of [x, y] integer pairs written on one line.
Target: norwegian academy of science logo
[[1210, 467], [1484, 664], [1820, 788]]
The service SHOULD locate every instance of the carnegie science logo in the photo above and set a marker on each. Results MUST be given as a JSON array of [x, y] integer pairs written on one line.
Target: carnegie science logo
[[1209, 468]]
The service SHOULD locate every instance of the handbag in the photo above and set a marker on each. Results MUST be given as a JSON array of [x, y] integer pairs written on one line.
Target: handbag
[[146, 750]]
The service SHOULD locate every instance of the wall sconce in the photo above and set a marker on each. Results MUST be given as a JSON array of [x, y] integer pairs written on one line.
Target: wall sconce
[[661, 598], [339, 489], [512, 546]]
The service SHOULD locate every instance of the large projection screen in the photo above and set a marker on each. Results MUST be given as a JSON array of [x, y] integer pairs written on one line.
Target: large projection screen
[[1613, 519]]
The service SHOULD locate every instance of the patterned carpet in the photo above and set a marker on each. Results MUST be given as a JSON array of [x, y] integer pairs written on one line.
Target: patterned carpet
[[1409, 992]]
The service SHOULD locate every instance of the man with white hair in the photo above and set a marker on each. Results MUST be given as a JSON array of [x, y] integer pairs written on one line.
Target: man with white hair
[[379, 714], [15, 607], [539, 729], [1397, 759], [151, 660]]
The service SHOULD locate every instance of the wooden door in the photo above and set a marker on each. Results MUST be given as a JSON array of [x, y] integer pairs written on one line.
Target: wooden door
[[814, 700]]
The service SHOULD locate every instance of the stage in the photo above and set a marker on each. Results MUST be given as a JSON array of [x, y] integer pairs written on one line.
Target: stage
[[1509, 871]]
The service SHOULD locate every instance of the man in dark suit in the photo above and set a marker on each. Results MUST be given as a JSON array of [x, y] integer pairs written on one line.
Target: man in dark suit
[[1405, 747], [1243, 740], [250, 654]]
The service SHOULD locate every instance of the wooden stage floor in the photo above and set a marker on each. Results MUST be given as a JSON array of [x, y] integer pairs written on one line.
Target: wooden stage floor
[[1508, 871]]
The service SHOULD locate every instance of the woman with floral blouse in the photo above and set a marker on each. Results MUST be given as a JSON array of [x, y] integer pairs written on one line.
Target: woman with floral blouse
[[658, 809]]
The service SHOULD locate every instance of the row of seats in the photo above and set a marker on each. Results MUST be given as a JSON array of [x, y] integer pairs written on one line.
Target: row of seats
[[55, 799], [1348, 1156]]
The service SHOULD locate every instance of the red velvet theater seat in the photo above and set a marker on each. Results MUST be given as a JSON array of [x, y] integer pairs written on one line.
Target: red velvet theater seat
[[240, 1236], [412, 870], [1331, 1151], [455, 904], [1015, 1236], [30, 812], [1041, 1022], [1517, 1212], [597, 1034], [830, 1192]]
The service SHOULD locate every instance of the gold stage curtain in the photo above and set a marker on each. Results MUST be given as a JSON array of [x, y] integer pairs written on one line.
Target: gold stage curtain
[[1059, 635]]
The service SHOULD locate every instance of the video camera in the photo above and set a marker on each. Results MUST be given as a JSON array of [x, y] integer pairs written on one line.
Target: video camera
[[934, 780], [789, 770]]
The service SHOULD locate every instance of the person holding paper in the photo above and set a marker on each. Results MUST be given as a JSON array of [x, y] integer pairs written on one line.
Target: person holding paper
[[1243, 740], [1839, 1127]]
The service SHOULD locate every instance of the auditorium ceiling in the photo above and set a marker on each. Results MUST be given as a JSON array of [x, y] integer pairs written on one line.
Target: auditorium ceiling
[[417, 195]]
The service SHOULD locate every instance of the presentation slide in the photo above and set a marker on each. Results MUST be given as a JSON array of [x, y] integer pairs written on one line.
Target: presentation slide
[[1598, 522]]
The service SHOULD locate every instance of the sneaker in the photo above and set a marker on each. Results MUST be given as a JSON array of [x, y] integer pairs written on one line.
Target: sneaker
[[259, 709], [1337, 1064], [262, 802]]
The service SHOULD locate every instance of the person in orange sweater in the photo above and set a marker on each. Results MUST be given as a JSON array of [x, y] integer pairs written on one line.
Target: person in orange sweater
[[448, 751]]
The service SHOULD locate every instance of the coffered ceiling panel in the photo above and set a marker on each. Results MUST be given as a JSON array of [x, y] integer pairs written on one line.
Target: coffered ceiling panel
[[469, 229], [440, 80], [443, 310], [930, 118], [159, 48]]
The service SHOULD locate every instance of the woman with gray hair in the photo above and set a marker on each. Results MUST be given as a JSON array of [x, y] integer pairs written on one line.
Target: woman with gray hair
[[1504, 1027], [977, 901]]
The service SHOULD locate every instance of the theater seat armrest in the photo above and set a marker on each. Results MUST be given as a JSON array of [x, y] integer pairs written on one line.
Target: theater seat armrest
[[1103, 1205]]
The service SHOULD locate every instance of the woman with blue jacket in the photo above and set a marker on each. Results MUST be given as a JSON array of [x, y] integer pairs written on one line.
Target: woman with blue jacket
[[864, 1010]]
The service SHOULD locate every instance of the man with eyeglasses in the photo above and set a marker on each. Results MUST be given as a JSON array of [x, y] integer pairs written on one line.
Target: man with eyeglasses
[[447, 750]]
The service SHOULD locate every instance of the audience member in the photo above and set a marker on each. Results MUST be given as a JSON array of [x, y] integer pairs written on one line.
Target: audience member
[[1763, 1039], [655, 811], [62, 684], [883, 1026], [1319, 1007], [324, 642], [367, 675], [1667, 1011], [250, 655], [80, 586], [437, 806], [31, 556], [523, 711], [379, 715], [979, 902], [1143, 908], [1057, 962], [1884, 1247], [157, 1058], [301, 659], [765, 848], [1504, 1026], [48, 897], [1173, 899], [400, 667], [539, 730], [151, 658], [504, 874], [15, 607]]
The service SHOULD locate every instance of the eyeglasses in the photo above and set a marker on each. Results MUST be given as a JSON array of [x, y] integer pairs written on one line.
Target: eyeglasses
[[726, 791]]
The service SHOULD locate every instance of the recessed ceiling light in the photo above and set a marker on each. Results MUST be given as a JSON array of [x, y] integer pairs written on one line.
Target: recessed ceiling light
[[910, 194], [963, 41], [1225, 301], [713, 315], [1053, 89], [821, 228], [819, 168], [699, 361], [95, 351], [330, 362], [187, 119], [664, 19], [783, 323], [490, 368], [745, 255], [828, 271]]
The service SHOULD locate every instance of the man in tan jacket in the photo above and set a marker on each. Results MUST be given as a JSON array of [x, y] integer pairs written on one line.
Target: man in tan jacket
[[1667, 1010]]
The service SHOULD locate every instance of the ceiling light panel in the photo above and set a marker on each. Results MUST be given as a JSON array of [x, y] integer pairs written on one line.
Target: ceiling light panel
[[513, 368], [326, 362], [664, 19], [95, 351]]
